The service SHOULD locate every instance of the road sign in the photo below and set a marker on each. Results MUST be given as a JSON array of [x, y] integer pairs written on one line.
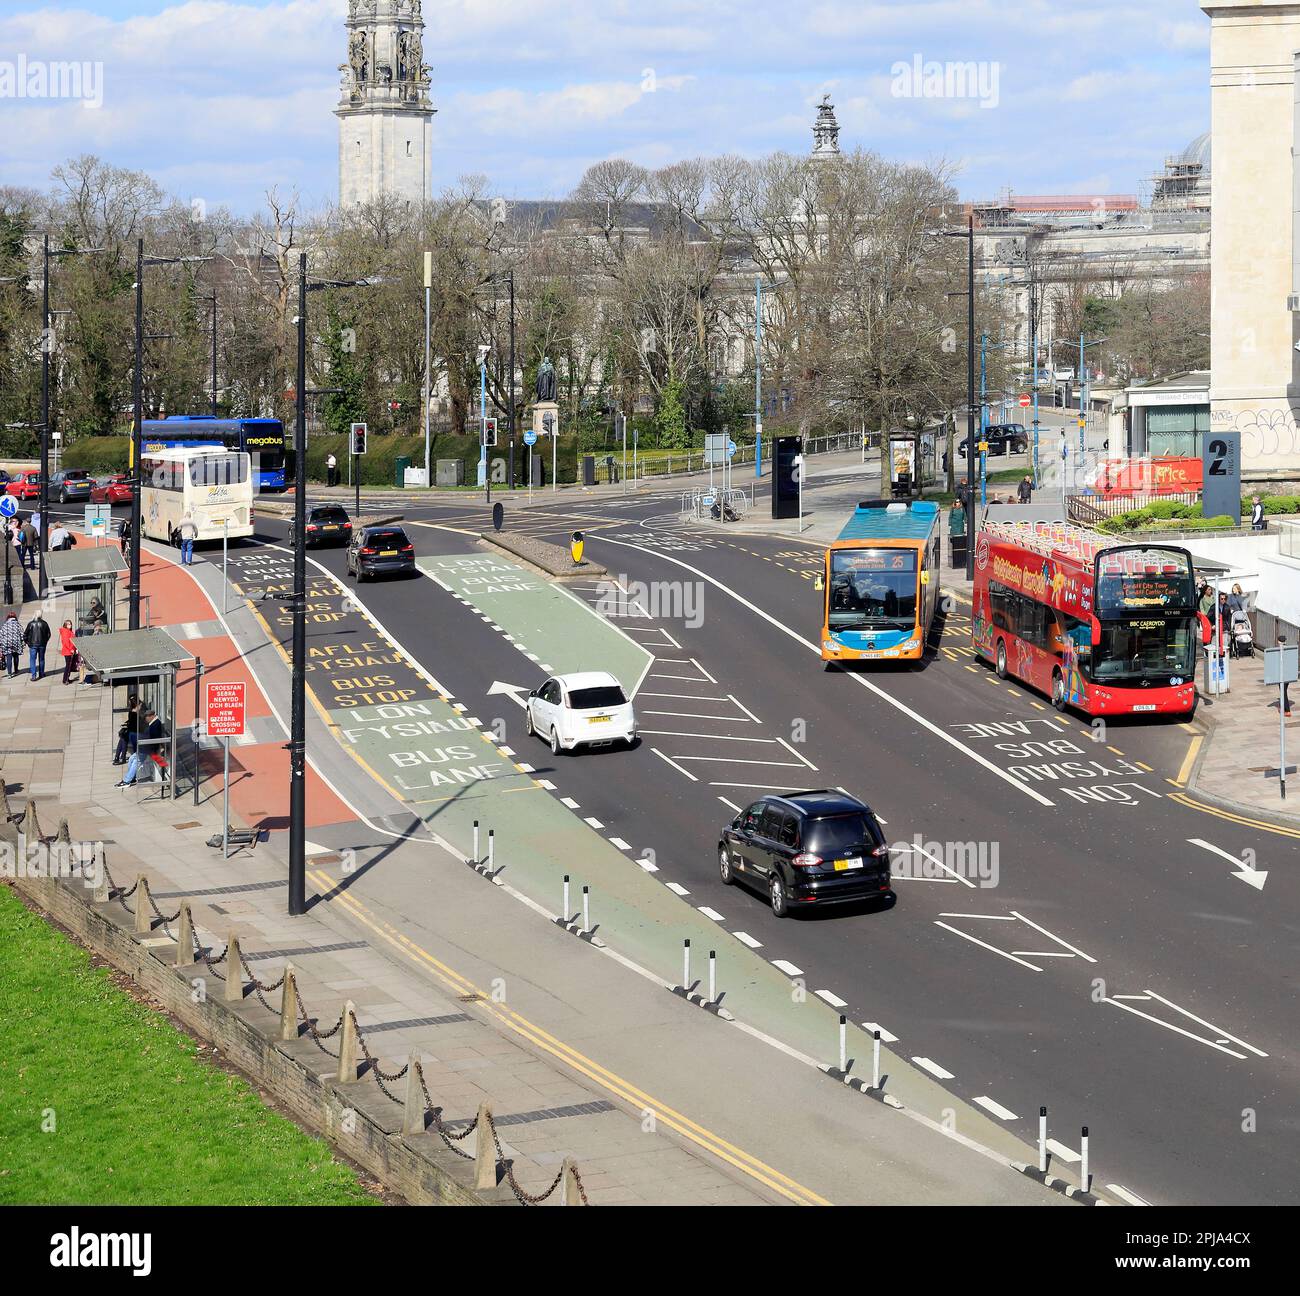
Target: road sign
[[1025, 402], [224, 708], [530, 437], [1282, 664], [731, 449], [98, 517], [1083, 422], [1221, 475], [8, 506]]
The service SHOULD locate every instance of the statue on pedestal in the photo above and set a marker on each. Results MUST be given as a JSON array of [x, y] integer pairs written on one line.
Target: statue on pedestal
[[545, 387]]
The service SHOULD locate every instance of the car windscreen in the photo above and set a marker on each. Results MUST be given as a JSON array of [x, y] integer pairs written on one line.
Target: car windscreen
[[76, 474], [387, 539], [328, 515], [592, 699], [839, 834]]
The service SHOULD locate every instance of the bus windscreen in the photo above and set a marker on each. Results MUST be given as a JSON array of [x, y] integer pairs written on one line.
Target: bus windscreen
[[1144, 579], [872, 589]]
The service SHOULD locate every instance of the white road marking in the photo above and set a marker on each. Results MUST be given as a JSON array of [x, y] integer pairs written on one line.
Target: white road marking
[[966, 936], [526, 767], [797, 754], [744, 708], [957, 877], [647, 865], [570, 802], [886, 1037], [506, 751], [746, 939], [620, 843], [712, 913], [686, 697], [695, 715], [770, 787], [674, 764], [788, 968], [547, 784], [593, 823], [933, 1068], [996, 1108], [1200, 1021], [1073, 950], [834, 1000], [1068, 1155], [1123, 1193], [664, 675], [731, 805], [679, 733], [1178, 1030], [702, 671], [677, 889], [736, 760], [861, 680]]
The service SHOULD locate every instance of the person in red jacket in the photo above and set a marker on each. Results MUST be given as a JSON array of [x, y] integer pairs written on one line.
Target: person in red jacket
[[68, 647]]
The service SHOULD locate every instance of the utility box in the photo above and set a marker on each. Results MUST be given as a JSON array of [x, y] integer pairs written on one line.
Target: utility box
[[399, 469], [536, 468], [451, 472], [588, 470], [415, 477]]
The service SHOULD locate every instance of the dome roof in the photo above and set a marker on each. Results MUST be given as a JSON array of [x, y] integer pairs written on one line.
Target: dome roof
[[1198, 151]]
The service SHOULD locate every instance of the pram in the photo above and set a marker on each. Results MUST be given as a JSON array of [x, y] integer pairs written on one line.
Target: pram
[[1241, 639]]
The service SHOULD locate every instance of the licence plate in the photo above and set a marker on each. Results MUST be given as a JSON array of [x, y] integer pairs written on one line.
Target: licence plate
[[330, 526], [842, 865], [1145, 706], [598, 719], [388, 553]]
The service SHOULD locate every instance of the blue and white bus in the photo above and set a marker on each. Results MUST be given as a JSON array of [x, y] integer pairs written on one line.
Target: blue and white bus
[[262, 439]]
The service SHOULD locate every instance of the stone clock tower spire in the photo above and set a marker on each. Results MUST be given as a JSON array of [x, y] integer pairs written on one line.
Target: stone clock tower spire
[[385, 115]]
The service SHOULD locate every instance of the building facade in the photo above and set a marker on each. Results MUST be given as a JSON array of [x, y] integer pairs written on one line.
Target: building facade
[[384, 111]]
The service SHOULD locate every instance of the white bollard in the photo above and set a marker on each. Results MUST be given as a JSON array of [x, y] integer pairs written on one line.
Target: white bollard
[[713, 967], [1042, 1140], [844, 1044], [475, 841], [566, 913], [1084, 1177], [586, 908], [875, 1059], [686, 965], [491, 845]]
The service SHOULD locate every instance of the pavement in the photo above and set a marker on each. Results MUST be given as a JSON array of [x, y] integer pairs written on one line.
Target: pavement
[[580, 1050]]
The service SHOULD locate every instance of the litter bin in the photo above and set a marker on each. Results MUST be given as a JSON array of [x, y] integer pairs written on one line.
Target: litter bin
[[399, 474], [588, 470]]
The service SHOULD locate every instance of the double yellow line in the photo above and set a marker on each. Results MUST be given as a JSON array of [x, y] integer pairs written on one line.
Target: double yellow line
[[603, 1078]]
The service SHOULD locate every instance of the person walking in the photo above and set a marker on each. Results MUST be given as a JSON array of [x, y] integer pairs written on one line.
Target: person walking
[[124, 536], [957, 534], [1237, 599], [11, 643], [1257, 514], [129, 733], [29, 543], [61, 538], [68, 647], [1025, 491], [149, 742], [36, 637], [331, 470], [188, 532]]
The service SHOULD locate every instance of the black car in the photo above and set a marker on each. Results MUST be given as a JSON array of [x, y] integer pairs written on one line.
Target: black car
[[326, 524], [71, 484], [380, 550], [1003, 438], [806, 849]]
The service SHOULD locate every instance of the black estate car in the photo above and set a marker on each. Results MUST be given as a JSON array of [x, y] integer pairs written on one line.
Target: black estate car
[[326, 524], [806, 849], [380, 550]]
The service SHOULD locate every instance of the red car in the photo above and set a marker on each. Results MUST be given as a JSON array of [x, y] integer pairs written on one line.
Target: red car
[[26, 484], [112, 490]]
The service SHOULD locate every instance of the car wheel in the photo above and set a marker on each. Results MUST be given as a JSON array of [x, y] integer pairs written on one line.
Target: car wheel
[[1002, 659], [777, 897], [528, 721], [724, 867], [1058, 690], [555, 743]]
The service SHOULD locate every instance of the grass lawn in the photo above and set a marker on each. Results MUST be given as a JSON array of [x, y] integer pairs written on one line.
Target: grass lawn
[[139, 1117]]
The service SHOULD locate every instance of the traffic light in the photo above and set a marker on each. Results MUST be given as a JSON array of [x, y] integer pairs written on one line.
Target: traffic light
[[489, 431], [358, 438]]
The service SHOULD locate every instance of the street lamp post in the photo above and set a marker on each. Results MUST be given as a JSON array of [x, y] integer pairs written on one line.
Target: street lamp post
[[212, 297], [969, 235]]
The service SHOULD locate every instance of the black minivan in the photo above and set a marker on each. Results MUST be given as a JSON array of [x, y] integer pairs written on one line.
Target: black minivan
[[806, 849], [380, 550]]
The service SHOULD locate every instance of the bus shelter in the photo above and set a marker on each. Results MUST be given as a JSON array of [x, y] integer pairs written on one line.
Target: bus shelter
[[145, 663], [90, 576]]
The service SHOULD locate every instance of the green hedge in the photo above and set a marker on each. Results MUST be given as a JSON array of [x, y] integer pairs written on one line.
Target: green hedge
[[106, 454], [1188, 517]]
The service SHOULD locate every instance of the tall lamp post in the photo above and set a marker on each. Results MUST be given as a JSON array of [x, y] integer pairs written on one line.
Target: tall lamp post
[[1083, 403], [137, 418], [212, 298], [298, 600], [969, 235]]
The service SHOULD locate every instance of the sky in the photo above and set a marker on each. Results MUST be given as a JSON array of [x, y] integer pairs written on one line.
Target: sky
[[222, 100]]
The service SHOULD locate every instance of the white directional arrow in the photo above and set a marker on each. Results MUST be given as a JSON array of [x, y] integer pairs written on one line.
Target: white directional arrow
[[1246, 872], [512, 691]]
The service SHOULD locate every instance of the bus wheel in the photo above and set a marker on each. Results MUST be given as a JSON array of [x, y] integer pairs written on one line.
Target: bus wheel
[[1002, 659], [1058, 690]]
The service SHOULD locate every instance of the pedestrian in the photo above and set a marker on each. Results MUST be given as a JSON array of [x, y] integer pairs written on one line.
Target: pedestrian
[[11, 643], [187, 532], [1025, 491], [1256, 514], [331, 470], [1236, 600], [128, 734], [124, 536], [68, 647], [1206, 601], [29, 543], [963, 492], [150, 740], [36, 637], [957, 534], [60, 537]]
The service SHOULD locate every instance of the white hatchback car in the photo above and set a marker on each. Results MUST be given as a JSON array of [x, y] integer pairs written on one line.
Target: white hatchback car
[[588, 709]]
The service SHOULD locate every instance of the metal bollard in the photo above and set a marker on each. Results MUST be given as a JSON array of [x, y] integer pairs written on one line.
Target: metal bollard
[[713, 967], [844, 1044], [1084, 1177], [686, 965], [491, 851], [566, 913], [875, 1059], [475, 841], [586, 908], [1042, 1140]]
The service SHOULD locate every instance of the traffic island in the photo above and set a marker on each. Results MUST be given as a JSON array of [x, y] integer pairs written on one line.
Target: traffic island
[[551, 560]]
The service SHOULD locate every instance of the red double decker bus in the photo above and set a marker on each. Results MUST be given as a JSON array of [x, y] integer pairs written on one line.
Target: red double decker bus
[[1105, 627]]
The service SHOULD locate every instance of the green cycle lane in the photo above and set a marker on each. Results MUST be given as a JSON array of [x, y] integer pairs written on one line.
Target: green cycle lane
[[408, 731]]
